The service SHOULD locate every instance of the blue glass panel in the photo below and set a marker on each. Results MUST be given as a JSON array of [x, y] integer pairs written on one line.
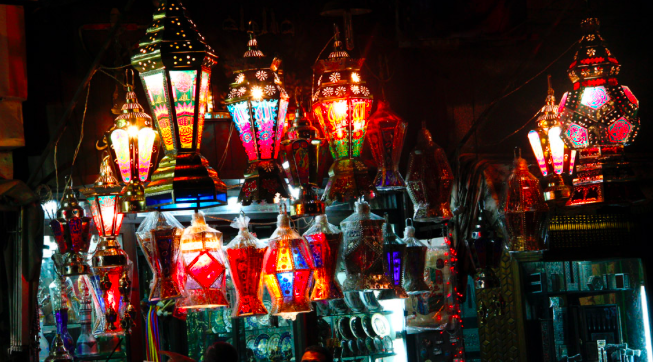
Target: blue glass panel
[[300, 261], [286, 284]]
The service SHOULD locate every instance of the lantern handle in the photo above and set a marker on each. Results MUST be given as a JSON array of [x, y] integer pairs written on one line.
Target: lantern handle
[[411, 222], [128, 84]]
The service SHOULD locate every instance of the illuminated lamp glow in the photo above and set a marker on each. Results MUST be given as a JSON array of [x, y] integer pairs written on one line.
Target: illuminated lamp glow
[[355, 77], [572, 161], [257, 93], [536, 145], [619, 130], [563, 102], [557, 149], [577, 135], [146, 138], [339, 109], [120, 141], [595, 97]]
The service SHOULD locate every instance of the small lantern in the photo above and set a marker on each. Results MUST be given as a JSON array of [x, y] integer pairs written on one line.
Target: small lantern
[[394, 258], [385, 133], [525, 208], [245, 255], [258, 105], [165, 243], [60, 303], [72, 233], [288, 271], [86, 342], [58, 351], [363, 250], [154, 221], [486, 254], [304, 156], [113, 296], [175, 63], [325, 242], [415, 265], [204, 282], [134, 149], [429, 179], [342, 104]]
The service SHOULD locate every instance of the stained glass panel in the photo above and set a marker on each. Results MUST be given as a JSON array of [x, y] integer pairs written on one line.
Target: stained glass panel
[[159, 103], [265, 117], [146, 138], [619, 130], [536, 145], [595, 97], [240, 114], [120, 143], [204, 96], [577, 135], [361, 109], [183, 92], [281, 129]]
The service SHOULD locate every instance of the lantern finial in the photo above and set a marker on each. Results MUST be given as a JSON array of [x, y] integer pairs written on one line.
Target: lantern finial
[[252, 44]]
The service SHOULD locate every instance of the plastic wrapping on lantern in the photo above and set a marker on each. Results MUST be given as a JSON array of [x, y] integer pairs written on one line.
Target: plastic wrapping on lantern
[[245, 257], [203, 264], [106, 281], [363, 251], [288, 271], [82, 292], [325, 242], [154, 220], [72, 233], [385, 133], [394, 259], [165, 243], [415, 264], [61, 305]]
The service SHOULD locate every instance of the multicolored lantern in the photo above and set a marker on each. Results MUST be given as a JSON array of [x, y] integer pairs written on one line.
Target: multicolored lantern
[[429, 179], [245, 255], [175, 63], [415, 265], [525, 209], [60, 302], [258, 105], [72, 233], [363, 250], [599, 117], [553, 157], [325, 242], [304, 159], [154, 221], [115, 300], [204, 283], [288, 271], [486, 254], [134, 149], [166, 238], [385, 133], [394, 259], [342, 104]]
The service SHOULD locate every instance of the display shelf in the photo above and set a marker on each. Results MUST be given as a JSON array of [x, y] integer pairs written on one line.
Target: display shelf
[[582, 293], [382, 312]]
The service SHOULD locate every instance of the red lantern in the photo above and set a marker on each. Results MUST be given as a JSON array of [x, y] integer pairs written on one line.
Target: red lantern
[[325, 242], [385, 133], [72, 233]]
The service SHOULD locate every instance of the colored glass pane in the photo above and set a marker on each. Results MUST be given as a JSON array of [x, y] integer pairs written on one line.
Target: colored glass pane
[[246, 266], [281, 129], [557, 150], [183, 92], [631, 97], [97, 218], [577, 135], [159, 103], [337, 126], [146, 138], [594, 97], [120, 143], [536, 145], [394, 264], [361, 109], [240, 114], [286, 284], [299, 255], [107, 207], [572, 161], [563, 102], [619, 130], [265, 117], [205, 269], [318, 113], [204, 96]]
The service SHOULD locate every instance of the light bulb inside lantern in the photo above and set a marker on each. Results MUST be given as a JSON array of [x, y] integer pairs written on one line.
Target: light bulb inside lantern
[[355, 77], [536, 144], [257, 93], [340, 109], [133, 131], [557, 149]]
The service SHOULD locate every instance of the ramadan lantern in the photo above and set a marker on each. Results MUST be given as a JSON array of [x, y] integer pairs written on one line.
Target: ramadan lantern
[[166, 238], [59, 352], [415, 264], [599, 117], [325, 243], [72, 233], [429, 179], [60, 302], [154, 221], [342, 104], [134, 149], [486, 254], [525, 209], [553, 157], [363, 251], [385, 133], [288, 271], [258, 105], [204, 282], [86, 342], [115, 300], [394, 258], [245, 257], [175, 63]]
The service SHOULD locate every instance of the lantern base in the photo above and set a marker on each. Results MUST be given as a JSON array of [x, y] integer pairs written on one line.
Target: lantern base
[[556, 190], [203, 298], [133, 197], [185, 181], [326, 290], [73, 264], [486, 279], [389, 180], [395, 293], [360, 281], [263, 181], [248, 306], [109, 254], [307, 204], [348, 180], [289, 310]]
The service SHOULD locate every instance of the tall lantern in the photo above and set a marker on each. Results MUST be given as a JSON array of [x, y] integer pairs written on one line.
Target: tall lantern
[[342, 104], [134, 149], [599, 117], [288, 271], [72, 233], [429, 179], [385, 134], [394, 259], [304, 156], [415, 265], [175, 63], [204, 280], [325, 241], [553, 157], [258, 105], [486, 254]]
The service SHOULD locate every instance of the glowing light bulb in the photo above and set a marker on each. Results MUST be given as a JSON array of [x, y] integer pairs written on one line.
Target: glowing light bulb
[[355, 77], [536, 144], [133, 131], [340, 108], [557, 149], [257, 93]]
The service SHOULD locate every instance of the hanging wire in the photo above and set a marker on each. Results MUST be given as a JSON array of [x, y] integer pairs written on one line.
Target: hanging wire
[[112, 76], [226, 149]]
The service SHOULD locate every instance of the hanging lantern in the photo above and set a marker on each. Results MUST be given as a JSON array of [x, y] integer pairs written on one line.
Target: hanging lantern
[[599, 117], [525, 208], [204, 283], [165, 244], [245, 256], [486, 254], [385, 133], [60, 303], [415, 264], [553, 157], [342, 105], [429, 179], [154, 221], [288, 271], [258, 105], [325, 242], [394, 258], [134, 149], [114, 299], [363, 250], [304, 156], [72, 233], [86, 342], [175, 63]]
